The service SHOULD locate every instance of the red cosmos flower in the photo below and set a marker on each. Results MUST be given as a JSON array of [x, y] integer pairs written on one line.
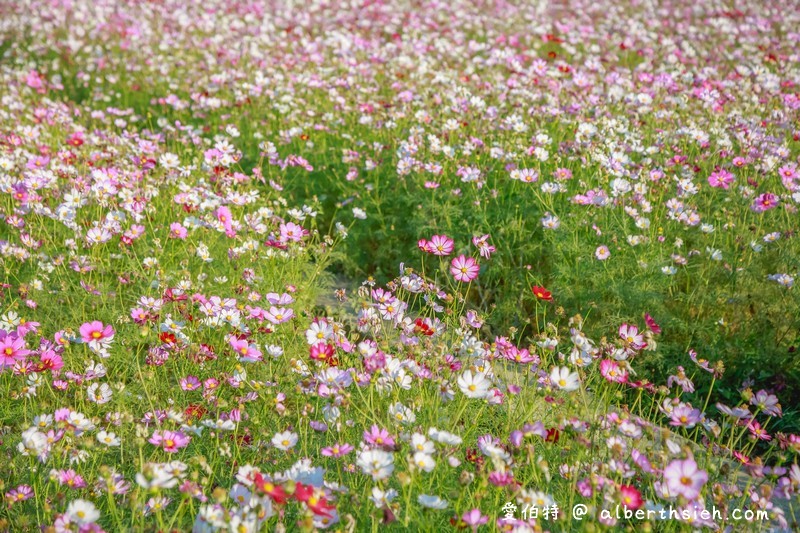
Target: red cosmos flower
[[269, 488], [168, 338], [302, 492], [630, 497], [421, 327], [195, 411], [76, 139], [313, 499], [552, 435], [542, 293], [654, 327]]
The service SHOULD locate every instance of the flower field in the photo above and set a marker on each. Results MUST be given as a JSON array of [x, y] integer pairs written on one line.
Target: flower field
[[409, 265]]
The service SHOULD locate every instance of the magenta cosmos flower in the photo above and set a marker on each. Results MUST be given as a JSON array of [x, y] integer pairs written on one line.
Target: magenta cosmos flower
[[720, 179], [684, 478], [96, 332], [765, 202], [464, 269], [12, 349]]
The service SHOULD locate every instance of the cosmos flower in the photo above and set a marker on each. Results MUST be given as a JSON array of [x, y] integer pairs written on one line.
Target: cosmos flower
[[612, 371], [602, 253], [563, 379], [169, 441], [630, 497], [12, 349], [474, 385], [439, 245], [96, 332], [285, 440], [464, 269], [720, 179], [337, 450], [376, 463], [541, 293], [83, 512], [432, 502], [682, 477]]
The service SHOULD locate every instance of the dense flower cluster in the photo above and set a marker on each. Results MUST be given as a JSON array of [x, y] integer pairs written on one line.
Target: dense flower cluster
[[178, 179]]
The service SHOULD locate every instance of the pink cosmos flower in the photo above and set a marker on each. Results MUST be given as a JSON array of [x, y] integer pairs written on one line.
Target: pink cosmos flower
[[789, 176], [482, 243], [440, 245], [176, 231], [464, 269], [521, 356], [612, 371], [50, 360], [170, 441], [337, 450], [379, 437], [20, 193], [19, 494], [685, 416], [225, 217], [71, 479], [139, 315], [279, 315], [190, 383], [96, 332], [684, 478], [630, 335], [602, 253], [758, 431], [247, 352], [501, 479], [321, 351], [720, 179], [474, 518], [291, 232], [12, 349], [34, 80]]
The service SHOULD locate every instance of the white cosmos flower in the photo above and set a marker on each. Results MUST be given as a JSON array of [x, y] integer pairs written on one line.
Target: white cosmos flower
[[420, 444], [284, 440], [83, 512], [432, 502], [99, 393], [424, 462], [108, 438], [444, 437], [402, 414], [562, 378], [33, 442], [381, 498], [376, 463], [474, 385]]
